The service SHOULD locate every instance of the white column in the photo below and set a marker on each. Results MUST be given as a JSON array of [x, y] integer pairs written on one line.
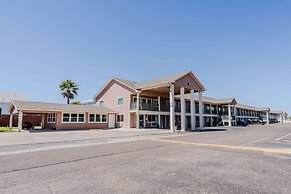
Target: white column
[[160, 122], [183, 109], [137, 110], [267, 117], [11, 121], [235, 114], [172, 107], [201, 119], [159, 103], [42, 120], [229, 115], [282, 119], [159, 106], [193, 111], [20, 117], [144, 120]]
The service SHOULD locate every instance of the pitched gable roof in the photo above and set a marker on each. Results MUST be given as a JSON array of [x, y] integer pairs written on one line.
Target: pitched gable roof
[[217, 101], [128, 83], [252, 107], [46, 106], [149, 83], [166, 79]]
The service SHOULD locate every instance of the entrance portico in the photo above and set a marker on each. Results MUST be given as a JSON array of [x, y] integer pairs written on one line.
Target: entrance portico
[[158, 102]]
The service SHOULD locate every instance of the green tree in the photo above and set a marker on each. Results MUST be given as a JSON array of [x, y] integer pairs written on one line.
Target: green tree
[[76, 103], [69, 89]]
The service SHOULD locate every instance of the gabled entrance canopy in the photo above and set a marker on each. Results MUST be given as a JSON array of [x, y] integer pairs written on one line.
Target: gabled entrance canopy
[[185, 80]]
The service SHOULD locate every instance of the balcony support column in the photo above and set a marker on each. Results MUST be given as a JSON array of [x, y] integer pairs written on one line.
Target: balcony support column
[[183, 109], [193, 111], [42, 120], [137, 110], [159, 108], [20, 117], [11, 121], [235, 113], [267, 115], [229, 116], [172, 107], [201, 119]]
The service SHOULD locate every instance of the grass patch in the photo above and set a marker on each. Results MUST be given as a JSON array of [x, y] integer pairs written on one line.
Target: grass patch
[[5, 129]]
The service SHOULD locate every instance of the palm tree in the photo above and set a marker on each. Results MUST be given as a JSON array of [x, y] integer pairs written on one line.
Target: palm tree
[[69, 90]]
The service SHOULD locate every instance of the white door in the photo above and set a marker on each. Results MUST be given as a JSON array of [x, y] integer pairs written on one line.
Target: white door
[[111, 123]]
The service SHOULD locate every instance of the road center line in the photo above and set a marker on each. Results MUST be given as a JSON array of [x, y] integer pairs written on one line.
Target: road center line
[[267, 150]]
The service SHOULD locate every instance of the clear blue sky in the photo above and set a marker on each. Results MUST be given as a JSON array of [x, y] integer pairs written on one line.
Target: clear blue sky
[[237, 49]]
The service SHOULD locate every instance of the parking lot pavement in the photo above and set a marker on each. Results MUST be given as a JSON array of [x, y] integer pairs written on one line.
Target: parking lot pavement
[[152, 166], [270, 136], [11, 143]]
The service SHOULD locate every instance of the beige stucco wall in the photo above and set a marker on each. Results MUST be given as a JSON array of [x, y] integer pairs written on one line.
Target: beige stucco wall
[[113, 91]]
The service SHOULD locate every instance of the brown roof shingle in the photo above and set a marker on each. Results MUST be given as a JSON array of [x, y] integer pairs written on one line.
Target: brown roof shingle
[[46, 106]]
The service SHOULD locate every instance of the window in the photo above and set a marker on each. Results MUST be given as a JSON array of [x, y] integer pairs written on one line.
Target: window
[[134, 99], [101, 103], [119, 101], [81, 118], [104, 118], [156, 102], [97, 118], [51, 118], [91, 118], [73, 117], [119, 118], [150, 101], [66, 117], [152, 118]]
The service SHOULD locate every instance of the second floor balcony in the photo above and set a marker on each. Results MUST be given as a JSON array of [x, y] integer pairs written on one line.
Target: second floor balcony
[[144, 106], [155, 107]]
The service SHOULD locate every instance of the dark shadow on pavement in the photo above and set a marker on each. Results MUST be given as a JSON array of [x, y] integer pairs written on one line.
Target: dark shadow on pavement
[[208, 130], [53, 130]]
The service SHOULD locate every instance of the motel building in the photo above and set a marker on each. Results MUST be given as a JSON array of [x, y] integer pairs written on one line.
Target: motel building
[[174, 102]]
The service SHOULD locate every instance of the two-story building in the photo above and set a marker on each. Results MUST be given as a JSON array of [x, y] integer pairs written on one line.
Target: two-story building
[[152, 103], [173, 102]]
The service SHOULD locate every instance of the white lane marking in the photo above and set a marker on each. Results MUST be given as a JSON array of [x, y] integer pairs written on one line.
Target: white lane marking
[[279, 139]]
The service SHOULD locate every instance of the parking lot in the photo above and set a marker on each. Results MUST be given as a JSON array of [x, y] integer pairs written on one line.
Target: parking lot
[[254, 159]]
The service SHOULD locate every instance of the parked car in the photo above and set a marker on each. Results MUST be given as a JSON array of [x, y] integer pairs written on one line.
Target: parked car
[[27, 125], [260, 121], [242, 123]]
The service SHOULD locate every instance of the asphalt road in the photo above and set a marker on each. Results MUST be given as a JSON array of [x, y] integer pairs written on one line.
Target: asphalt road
[[239, 160]]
